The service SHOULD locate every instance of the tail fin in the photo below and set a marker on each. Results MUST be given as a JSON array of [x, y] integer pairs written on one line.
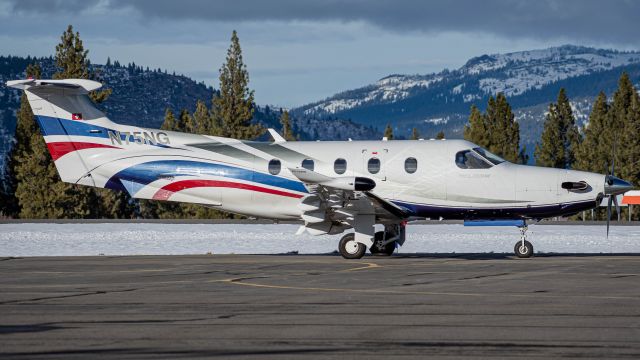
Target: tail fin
[[69, 122]]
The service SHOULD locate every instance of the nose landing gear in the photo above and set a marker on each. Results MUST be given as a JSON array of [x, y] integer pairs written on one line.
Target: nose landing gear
[[523, 248]]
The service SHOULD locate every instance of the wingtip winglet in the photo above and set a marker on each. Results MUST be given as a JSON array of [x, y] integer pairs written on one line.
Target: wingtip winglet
[[276, 137]]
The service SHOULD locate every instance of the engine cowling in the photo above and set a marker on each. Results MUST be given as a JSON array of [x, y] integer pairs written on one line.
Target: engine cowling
[[350, 183]]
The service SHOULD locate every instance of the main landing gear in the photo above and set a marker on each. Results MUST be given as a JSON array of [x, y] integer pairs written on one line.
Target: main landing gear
[[523, 248], [383, 243]]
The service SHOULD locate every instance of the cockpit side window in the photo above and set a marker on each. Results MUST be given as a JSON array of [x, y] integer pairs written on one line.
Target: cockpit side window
[[469, 159]]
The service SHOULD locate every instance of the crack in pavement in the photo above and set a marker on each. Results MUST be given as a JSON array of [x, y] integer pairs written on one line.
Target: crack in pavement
[[99, 292]]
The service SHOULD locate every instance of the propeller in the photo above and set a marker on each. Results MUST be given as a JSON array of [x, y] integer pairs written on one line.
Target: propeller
[[614, 186], [609, 180]]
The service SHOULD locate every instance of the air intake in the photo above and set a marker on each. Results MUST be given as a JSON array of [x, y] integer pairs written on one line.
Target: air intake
[[575, 185]]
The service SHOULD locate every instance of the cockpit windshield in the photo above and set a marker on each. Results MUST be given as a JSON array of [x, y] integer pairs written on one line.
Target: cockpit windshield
[[493, 158], [477, 158]]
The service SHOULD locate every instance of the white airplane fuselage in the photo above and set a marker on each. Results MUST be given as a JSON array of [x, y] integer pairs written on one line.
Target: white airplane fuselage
[[437, 188], [331, 185]]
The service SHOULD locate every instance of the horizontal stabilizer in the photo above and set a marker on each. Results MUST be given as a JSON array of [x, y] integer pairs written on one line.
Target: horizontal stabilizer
[[82, 85]]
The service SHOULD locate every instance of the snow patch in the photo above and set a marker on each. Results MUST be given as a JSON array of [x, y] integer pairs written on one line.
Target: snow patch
[[179, 239], [437, 121]]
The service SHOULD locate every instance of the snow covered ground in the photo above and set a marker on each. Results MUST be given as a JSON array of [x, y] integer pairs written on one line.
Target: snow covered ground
[[165, 239]]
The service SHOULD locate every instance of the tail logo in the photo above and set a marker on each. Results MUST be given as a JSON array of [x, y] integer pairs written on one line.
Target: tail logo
[[76, 116]]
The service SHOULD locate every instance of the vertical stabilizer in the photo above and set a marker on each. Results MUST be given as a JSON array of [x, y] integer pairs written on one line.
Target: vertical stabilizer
[[69, 122]]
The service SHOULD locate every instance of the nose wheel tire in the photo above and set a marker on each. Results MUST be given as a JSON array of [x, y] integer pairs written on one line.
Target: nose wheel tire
[[349, 248], [523, 250], [381, 249]]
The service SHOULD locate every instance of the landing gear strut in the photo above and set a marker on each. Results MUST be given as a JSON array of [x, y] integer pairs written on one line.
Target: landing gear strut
[[523, 248]]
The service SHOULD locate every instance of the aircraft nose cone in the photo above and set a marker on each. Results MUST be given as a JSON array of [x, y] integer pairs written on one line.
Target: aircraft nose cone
[[615, 186]]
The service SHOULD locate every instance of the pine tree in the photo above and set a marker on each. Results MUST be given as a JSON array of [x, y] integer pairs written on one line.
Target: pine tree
[[620, 115], [201, 119], [440, 135], [594, 152], [185, 122], [388, 132], [287, 132], [496, 130], [39, 186], [415, 135], [560, 138], [26, 129], [169, 122], [234, 106], [630, 152], [476, 131], [628, 142], [504, 131], [72, 62], [71, 57]]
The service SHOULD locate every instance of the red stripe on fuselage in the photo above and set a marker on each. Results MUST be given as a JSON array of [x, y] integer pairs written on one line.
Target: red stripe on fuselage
[[60, 149], [166, 191]]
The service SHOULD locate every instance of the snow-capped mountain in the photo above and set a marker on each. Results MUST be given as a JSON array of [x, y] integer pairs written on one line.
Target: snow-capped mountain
[[441, 101]]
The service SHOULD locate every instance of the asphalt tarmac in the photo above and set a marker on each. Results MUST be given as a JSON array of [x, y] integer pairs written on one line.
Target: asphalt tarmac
[[292, 307]]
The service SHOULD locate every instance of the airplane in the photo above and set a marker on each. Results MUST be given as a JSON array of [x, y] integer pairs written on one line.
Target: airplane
[[372, 187]]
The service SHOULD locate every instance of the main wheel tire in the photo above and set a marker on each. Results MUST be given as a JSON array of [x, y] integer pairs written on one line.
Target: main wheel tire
[[349, 248], [382, 250], [523, 251]]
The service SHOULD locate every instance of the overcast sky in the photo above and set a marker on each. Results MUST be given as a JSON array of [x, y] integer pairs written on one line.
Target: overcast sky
[[299, 51]]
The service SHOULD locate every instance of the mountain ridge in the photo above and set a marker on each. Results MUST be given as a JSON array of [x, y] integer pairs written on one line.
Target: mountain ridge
[[441, 101]]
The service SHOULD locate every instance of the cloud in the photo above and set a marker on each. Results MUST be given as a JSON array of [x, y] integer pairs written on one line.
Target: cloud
[[53, 6], [613, 21]]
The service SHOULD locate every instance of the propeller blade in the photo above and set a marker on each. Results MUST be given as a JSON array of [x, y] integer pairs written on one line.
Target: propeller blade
[[615, 202], [608, 214]]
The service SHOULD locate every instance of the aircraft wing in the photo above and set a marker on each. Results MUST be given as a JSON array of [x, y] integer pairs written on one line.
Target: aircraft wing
[[338, 199]]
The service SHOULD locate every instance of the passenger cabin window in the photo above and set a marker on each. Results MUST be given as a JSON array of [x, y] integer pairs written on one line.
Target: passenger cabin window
[[469, 159], [340, 166], [373, 165], [411, 165], [274, 167], [308, 164]]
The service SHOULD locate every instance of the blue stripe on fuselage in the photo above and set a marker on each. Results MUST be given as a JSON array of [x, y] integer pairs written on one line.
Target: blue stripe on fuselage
[[146, 173]]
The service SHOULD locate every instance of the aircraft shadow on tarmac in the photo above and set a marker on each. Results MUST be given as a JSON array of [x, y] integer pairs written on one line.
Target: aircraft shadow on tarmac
[[470, 256]]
